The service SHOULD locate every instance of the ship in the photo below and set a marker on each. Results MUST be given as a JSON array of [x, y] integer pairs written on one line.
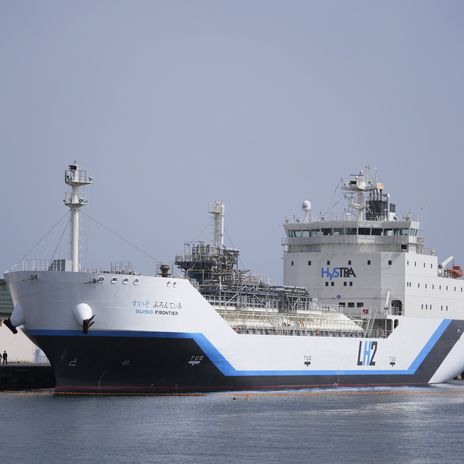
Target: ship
[[363, 303]]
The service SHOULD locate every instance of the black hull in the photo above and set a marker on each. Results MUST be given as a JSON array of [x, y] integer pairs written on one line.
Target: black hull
[[157, 364]]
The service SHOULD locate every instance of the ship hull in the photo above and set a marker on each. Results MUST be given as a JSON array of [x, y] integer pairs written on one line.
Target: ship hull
[[159, 335], [125, 363]]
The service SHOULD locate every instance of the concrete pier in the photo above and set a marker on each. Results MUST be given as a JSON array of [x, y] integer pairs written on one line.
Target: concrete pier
[[26, 376]]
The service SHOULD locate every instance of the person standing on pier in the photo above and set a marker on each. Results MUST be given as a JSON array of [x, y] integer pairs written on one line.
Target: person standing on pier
[[5, 357]]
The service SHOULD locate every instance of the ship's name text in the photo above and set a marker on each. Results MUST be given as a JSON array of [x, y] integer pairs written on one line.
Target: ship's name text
[[161, 308]]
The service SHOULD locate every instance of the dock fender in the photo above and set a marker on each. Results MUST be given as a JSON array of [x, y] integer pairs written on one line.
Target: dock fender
[[83, 315]]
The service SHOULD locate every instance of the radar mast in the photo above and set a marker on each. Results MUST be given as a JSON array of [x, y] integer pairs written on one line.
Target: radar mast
[[75, 178]]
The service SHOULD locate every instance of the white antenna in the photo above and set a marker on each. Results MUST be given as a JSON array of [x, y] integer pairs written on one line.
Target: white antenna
[[306, 207], [217, 210], [76, 178]]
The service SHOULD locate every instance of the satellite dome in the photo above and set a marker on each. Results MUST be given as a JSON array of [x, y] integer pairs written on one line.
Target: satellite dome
[[306, 205]]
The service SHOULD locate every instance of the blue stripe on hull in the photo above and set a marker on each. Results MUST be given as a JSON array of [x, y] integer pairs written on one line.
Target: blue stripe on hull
[[227, 369]]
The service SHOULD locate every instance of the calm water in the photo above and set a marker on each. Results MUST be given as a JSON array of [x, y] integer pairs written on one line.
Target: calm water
[[405, 425]]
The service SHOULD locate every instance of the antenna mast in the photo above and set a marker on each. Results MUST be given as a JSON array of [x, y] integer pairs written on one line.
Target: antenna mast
[[75, 178]]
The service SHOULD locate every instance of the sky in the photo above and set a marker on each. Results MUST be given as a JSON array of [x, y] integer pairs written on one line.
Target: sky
[[171, 105]]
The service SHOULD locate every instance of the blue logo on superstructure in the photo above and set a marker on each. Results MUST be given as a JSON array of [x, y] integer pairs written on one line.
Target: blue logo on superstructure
[[337, 272]]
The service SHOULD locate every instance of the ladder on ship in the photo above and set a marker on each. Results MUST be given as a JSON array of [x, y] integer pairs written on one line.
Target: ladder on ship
[[370, 324]]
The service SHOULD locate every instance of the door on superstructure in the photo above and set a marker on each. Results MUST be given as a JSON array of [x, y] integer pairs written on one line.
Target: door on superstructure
[[397, 307]]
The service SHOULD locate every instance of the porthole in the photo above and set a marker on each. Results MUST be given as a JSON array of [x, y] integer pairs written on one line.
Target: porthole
[[125, 281], [136, 281]]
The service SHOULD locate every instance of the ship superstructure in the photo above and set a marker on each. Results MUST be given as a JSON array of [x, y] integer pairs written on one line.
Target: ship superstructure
[[371, 259], [349, 312]]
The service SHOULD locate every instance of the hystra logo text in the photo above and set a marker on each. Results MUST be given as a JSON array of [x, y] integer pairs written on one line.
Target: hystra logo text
[[337, 272]]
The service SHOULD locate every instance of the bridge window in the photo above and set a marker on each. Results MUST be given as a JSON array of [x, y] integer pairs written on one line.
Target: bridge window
[[364, 231], [327, 231], [351, 231]]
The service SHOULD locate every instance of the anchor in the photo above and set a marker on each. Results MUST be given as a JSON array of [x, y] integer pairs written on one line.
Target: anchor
[[87, 323]]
